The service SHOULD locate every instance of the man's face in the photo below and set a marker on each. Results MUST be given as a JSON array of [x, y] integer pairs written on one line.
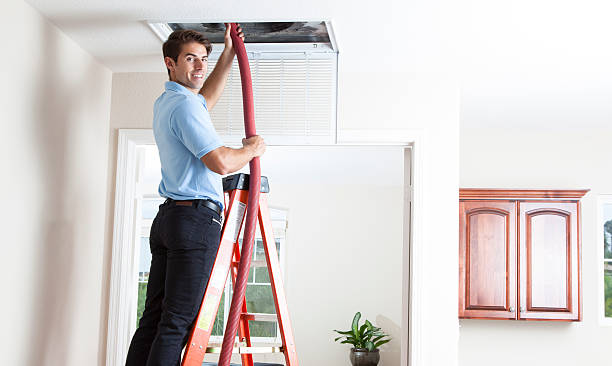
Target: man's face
[[190, 67]]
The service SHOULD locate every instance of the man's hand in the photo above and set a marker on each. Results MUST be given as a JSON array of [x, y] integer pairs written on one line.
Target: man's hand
[[215, 83], [229, 45], [255, 144], [225, 160]]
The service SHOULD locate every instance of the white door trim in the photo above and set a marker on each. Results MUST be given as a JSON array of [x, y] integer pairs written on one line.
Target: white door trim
[[412, 255], [124, 268], [123, 288]]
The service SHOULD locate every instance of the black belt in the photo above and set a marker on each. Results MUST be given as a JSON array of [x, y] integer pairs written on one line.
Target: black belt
[[206, 203]]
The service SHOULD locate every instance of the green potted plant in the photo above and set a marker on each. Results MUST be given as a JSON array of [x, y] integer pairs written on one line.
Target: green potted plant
[[365, 340]]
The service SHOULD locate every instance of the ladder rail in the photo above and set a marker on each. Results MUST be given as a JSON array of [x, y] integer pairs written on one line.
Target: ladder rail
[[243, 325], [201, 332], [274, 271], [228, 255]]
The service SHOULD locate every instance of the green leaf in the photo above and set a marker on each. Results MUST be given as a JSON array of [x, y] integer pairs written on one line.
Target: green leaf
[[363, 328], [369, 346], [336, 340], [378, 344], [355, 325], [344, 332], [376, 339]]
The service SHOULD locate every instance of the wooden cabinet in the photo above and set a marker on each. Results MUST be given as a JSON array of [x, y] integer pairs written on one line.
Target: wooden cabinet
[[519, 254]]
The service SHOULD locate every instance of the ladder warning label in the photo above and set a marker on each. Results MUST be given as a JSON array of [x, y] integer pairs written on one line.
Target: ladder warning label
[[207, 312], [234, 220]]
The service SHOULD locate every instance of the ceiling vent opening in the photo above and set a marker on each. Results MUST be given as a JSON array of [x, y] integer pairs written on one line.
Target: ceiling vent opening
[[294, 67], [314, 35]]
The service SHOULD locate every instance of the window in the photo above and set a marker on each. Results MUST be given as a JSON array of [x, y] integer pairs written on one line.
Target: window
[[149, 207], [605, 263], [259, 291], [258, 295]]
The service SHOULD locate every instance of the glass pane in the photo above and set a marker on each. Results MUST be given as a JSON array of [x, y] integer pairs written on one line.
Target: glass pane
[[259, 300], [260, 254], [144, 262], [262, 275], [608, 288], [250, 279], [150, 207], [607, 212], [218, 327], [262, 329], [142, 294]]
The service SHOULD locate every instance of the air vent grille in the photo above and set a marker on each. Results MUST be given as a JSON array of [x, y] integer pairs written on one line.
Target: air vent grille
[[293, 98]]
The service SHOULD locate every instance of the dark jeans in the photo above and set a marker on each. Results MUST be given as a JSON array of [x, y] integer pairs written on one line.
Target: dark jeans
[[184, 242]]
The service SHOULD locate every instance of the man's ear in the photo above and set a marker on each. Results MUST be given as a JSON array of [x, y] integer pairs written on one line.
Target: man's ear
[[170, 64]]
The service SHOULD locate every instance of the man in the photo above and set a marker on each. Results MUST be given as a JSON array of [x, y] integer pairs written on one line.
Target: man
[[186, 231]]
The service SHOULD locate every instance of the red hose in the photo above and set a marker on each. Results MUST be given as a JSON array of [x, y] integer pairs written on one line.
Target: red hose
[[252, 205]]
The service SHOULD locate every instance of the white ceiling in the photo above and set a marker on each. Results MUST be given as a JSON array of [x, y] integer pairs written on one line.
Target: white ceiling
[[522, 63], [115, 31]]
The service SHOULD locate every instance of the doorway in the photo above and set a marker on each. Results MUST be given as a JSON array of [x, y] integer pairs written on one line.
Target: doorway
[[347, 207]]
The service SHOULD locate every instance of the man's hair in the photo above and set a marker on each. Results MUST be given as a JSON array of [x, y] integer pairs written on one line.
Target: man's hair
[[172, 47]]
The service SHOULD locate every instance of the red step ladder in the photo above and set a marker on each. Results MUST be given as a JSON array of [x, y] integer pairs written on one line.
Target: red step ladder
[[228, 257]]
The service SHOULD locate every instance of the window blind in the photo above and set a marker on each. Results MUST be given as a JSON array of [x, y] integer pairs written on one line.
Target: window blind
[[294, 95]]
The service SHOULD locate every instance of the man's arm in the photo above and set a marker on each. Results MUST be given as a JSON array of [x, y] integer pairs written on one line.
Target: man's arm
[[225, 160], [215, 83]]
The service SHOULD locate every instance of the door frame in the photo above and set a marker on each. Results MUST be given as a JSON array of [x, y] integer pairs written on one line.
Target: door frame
[[123, 288]]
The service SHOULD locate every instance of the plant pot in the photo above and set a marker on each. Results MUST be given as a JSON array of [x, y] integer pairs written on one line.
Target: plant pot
[[363, 357]]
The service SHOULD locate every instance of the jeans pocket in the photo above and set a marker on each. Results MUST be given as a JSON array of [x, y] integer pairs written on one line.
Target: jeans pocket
[[188, 230]]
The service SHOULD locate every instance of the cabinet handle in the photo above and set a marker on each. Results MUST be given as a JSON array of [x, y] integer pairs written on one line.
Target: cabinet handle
[[512, 309], [522, 309]]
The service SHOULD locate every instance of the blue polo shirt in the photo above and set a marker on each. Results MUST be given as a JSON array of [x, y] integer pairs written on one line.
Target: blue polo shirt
[[184, 133]]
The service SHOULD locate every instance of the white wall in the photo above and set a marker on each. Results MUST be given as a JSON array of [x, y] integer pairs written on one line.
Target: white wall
[[342, 259], [55, 110], [535, 113], [542, 158], [535, 63]]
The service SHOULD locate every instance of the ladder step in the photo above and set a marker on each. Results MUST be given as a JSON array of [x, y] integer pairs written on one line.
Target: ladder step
[[260, 317], [247, 350], [253, 264]]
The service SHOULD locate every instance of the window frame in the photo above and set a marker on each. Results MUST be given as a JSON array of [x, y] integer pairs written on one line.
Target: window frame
[[602, 200], [227, 299]]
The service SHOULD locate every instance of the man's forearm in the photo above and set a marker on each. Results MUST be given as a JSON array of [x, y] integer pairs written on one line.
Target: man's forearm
[[225, 160], [235, 159], [215, 83]]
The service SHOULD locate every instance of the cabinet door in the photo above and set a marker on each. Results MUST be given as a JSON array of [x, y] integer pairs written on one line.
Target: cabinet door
[[549, 261], [487, 259]]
